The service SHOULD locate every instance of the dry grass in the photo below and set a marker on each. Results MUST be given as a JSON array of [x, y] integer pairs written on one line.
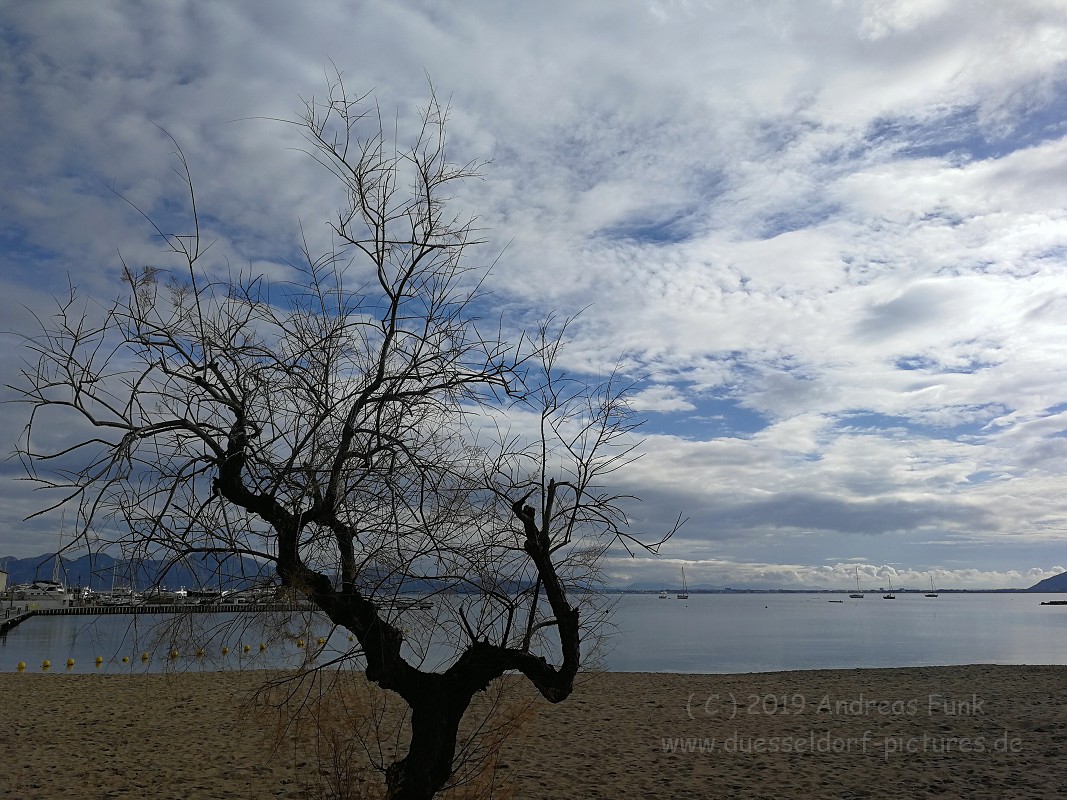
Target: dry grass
[[346, 731]]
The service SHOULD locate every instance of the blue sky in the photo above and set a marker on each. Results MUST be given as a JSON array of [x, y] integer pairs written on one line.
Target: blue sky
[[828, 241]]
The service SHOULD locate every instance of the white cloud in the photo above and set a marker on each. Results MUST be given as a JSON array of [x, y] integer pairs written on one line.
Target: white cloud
[[723, 573], [660, 398], [828, 239]]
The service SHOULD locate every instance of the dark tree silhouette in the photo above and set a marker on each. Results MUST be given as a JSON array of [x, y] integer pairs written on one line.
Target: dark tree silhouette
[[359, 432]]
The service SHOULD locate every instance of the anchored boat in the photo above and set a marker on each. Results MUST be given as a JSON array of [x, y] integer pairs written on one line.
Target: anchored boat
[[684, 594]]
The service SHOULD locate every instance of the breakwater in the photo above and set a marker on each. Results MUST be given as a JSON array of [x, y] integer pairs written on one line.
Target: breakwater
[[173, 608], [15, 617], [11, 620]]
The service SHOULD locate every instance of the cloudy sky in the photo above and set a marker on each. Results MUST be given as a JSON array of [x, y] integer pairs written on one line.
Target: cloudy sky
[[828, 239]]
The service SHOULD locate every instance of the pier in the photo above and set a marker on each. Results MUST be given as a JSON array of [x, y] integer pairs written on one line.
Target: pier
[[12, 619], [170, 608], [15, 615]]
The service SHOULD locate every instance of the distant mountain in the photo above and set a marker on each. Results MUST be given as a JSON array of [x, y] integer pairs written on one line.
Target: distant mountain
[[103, 572], [1057, 583]]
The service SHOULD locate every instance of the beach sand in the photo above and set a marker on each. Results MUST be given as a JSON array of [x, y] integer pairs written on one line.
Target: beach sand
[[945, 732]]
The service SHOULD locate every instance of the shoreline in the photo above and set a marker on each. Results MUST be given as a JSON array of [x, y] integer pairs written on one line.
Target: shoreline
[[976, 731]]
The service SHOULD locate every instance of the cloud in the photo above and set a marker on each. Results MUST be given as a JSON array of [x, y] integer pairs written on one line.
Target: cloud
[[825, 240], [660, 398], [724, 573]]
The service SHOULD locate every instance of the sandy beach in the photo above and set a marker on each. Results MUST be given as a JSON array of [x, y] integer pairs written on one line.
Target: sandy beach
[[947, 732]]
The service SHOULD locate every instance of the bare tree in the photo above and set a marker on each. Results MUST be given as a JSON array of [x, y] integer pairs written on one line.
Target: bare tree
[[360, 431]]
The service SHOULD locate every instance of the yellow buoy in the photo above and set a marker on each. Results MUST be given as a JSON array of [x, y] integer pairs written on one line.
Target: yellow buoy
[[262, 647], [46, 664], [22, 666], [299, 642], [144, 656], [225, 649], [99, 660], [125, 659], [247, 648], [173, 653], [70, 663], [351, 638], [200, 652]]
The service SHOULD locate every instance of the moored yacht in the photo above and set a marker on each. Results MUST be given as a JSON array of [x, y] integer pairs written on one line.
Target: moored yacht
[[890, 596], [42, 595], [684, 594], [857, 595]]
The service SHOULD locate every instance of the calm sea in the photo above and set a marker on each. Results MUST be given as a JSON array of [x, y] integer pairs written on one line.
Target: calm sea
[[765, 633], [716, 633]]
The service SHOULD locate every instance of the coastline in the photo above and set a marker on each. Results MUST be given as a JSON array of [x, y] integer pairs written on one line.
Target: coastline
[[976, 731]]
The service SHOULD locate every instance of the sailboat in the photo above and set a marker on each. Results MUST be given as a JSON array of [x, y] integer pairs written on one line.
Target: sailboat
[[858, 595], [890, 596], [47, 594], [931, 593], [684, 594]]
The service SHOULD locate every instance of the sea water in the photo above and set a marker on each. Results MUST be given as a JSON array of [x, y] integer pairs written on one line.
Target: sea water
[[708, 633], [152, 642], [730, 633]]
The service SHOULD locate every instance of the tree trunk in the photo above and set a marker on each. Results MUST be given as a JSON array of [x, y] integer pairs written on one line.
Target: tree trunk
[[435, 719]]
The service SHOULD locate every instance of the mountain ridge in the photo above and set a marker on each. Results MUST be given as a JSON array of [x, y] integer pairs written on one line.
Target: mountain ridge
[[102, 572], [1057, 583]]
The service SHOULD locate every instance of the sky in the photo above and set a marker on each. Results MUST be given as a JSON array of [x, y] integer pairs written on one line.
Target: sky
[[826, 240]]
